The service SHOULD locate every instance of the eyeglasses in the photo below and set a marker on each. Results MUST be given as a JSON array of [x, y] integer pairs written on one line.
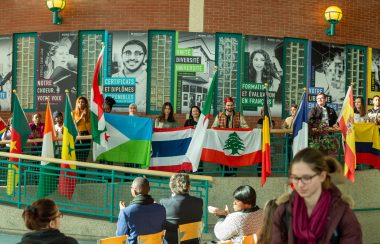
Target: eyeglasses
[[305, 179], [129, 53], [60, 215]]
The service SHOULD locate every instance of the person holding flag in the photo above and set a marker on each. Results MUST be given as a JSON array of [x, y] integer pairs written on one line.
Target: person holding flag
[[229, 118]]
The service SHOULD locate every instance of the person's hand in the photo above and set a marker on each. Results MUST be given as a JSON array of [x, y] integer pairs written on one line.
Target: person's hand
[[217, 211], [122, 205]]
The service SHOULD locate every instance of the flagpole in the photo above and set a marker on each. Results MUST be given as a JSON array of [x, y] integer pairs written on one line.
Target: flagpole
[[71, 109]]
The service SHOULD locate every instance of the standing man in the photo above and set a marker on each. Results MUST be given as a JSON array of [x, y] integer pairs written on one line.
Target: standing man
[[373, 114], [142, 216], [322, 113], [288, 123], [133, 57], [181, 208], [229, 118]]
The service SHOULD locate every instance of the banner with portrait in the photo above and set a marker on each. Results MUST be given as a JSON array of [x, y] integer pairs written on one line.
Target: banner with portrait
[[194, 67], [328, 74], [126, 69], [263, 60], [5, 73], [373, 84], [57, 69]]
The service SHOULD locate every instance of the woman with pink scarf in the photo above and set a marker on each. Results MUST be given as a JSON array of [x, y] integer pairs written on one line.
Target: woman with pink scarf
[[316, 211]]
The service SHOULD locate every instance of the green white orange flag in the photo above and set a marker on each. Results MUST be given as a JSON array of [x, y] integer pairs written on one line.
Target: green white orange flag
[[346, 124], [67, 179], [265, 158], [19, 135], [98, 123], [194, 151], [48, 180]]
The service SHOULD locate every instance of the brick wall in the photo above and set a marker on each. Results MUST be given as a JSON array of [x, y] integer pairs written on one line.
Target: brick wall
[[300, 19]]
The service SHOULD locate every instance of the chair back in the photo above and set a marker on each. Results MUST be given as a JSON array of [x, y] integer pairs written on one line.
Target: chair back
[[250, 239], [156, 238], [190, 231], [114, 240]]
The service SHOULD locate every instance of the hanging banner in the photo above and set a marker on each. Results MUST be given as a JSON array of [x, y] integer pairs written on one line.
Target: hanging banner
[[57, 69], [126, 71], [194, 66], [263, 64], [373, 84], [5, 73], [328, 74]]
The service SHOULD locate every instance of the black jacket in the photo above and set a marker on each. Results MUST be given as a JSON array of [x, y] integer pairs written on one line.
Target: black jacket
[[49, 236], [315, 116], [181, 209]]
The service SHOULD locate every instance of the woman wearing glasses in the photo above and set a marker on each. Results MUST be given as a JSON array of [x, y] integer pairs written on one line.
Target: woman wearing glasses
[[44, 219], [316, 211]]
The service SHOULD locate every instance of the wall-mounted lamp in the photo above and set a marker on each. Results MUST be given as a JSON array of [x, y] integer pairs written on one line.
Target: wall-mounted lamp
[[333, 15], [56, 6]]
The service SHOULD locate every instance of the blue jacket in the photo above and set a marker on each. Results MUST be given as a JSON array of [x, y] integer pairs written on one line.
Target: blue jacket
[[139, 219]]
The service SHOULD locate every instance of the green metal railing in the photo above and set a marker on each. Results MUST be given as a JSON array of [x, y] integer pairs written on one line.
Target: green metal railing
[[98, 190]]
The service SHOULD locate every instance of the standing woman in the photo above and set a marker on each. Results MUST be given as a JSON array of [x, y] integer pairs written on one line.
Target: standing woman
[[195, 112], [81, 116], [166, 118], [316, 212], [44, 219], [359, 110]]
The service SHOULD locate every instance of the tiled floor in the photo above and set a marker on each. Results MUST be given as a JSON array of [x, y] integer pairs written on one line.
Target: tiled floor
[[13, 239]]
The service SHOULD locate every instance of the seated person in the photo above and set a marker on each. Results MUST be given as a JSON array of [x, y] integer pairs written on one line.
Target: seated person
[[143, 216], [288, 123], [181, 208], [44, 219], [373, 114], [7, 135], [246, 220], [166, 118]]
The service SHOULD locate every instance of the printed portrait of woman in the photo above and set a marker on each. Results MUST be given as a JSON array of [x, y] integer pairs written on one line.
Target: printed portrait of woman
[[60, 66], [262, 69]]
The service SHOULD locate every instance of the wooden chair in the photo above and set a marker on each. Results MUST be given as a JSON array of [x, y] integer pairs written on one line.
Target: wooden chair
[[156, 238], [114, 240], [190, 231], [250, 239]]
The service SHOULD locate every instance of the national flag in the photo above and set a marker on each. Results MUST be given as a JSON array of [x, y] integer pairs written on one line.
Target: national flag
[[266, 160], [127, 140], [367, 144], [232, 147], [19, 135], [169, 147], [98, 123], [300, 127], [67, 179], [346, 124], [48, 180], [3, 126], [195, 148]]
